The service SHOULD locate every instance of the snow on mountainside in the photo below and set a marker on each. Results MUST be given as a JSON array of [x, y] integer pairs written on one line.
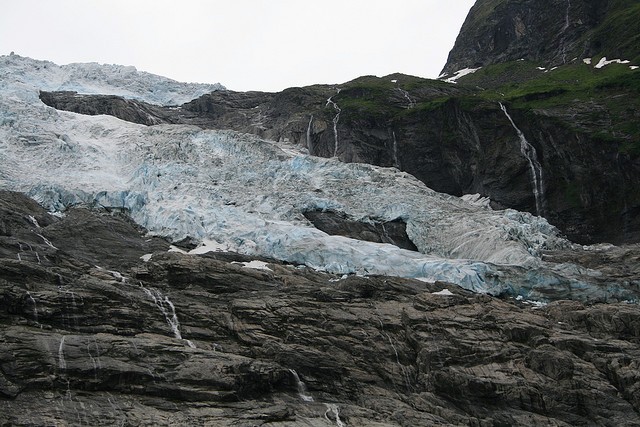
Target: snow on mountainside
[[249, 195], [21, 74]]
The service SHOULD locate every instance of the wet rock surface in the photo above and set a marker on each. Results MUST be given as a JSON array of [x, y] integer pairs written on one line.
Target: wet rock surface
[[93, 335]]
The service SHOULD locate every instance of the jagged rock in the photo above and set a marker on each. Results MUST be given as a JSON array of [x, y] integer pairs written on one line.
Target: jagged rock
[[207, 340]]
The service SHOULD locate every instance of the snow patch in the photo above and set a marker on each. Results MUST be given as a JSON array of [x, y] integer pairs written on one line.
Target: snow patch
[[444, 292], [208, 245], [255, 265], [604, 62], [587, 61], [460, 73]]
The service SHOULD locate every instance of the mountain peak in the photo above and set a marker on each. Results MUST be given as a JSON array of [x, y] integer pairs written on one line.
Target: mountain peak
[[551, 32]]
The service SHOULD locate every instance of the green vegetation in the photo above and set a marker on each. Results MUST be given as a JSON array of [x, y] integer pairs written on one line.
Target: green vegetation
[[619, 34], [372, 98], [602, 103]]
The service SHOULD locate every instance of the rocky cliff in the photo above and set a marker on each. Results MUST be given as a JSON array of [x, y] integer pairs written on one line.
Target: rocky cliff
[[100, 325]]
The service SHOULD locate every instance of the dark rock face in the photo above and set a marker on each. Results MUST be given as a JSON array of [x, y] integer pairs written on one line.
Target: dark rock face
[[125, 109], [336, 223], [204, 340], [551, 32]]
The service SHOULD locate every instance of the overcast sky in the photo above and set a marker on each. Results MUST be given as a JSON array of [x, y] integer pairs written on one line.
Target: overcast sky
[[264, 45]]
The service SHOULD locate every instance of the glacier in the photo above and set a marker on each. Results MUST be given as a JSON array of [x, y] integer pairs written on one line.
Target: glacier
[[245, 194]]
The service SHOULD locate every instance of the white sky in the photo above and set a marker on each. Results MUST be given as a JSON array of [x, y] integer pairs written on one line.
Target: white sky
[[264, 45]]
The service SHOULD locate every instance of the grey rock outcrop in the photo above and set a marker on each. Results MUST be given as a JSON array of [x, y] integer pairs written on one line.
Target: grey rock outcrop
[[206, 340], [337, 223], [117, 106]]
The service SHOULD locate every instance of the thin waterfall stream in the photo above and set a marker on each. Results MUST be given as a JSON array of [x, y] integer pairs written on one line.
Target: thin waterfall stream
[[309, 142], [336, 119], [168, 310], [530, 153]]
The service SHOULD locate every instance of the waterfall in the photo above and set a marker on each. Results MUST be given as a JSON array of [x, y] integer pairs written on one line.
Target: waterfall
[[530, 153], [332, 407], [335, 123], [168, 310], [410, 100], [302, 388], [309, 142]]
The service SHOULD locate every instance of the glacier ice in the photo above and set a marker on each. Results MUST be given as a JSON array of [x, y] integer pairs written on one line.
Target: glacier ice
[[242, 193], [29, 76]]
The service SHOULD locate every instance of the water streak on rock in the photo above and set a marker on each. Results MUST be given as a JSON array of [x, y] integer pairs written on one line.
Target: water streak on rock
[[35, 307], [62, 364], [335, 124], [565, 27], [396, 163], [309, 142]]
